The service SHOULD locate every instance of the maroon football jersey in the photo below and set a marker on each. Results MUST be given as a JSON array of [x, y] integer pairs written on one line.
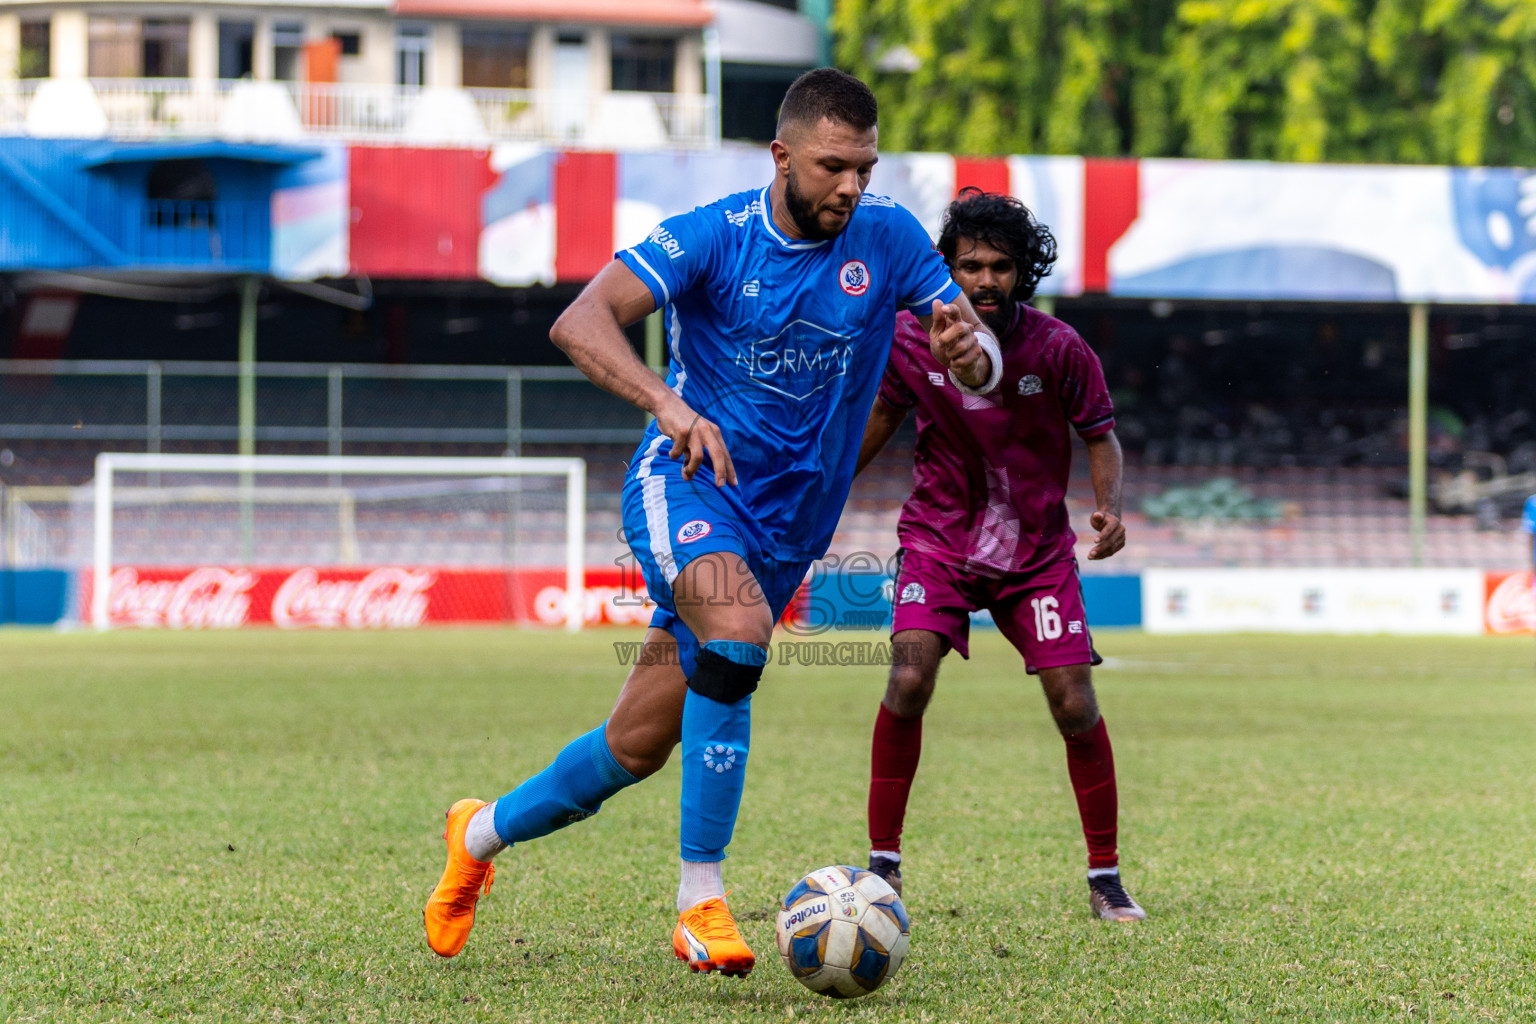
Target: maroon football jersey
[[990, 474]]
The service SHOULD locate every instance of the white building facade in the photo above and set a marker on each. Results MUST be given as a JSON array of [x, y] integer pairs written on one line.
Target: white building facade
[[593, 73]]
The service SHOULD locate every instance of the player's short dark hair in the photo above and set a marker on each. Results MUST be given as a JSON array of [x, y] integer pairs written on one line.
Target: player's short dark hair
[[1006, 225], [830, 94]]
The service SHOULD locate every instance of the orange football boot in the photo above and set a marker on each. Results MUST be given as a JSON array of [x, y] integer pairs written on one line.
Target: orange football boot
[[450, 912], [707, 938]]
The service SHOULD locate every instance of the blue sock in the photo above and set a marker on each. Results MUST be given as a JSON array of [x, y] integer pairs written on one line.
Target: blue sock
[[573, 787], [716, 737]]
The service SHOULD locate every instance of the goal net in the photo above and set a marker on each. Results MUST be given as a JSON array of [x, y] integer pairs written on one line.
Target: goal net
[[210, 541]]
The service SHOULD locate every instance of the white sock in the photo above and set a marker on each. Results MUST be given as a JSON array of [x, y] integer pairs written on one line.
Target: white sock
[[480, 838], [1100, 872], [890, 855], [701, 881]]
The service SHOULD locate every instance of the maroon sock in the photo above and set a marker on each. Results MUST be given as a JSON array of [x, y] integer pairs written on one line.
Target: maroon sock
[[1091, 766], [893, 765]]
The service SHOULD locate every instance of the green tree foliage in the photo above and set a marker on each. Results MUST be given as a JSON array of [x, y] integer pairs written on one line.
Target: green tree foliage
[[1420, 81]]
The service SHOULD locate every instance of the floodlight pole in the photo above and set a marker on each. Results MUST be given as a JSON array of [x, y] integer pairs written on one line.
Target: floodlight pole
[[101, 545], [653, 342], [575, 546], [249, 288], [1418, 415]]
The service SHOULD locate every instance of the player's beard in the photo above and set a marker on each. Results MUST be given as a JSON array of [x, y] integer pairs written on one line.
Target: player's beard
[[803, 212], [999, 318]]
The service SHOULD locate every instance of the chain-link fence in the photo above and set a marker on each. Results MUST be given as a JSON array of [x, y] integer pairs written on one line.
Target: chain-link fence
[[149, 404]]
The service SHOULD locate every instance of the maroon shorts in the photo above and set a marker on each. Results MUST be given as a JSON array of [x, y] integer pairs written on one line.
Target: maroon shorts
[[1040, 610]]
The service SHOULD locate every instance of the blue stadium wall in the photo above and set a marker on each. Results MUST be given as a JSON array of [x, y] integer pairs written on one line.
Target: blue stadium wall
[[33, 597], [846, 601], [193, 206]]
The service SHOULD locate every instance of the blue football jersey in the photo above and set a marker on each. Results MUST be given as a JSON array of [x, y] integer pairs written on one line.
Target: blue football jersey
[[782, 343], [1529, 519]]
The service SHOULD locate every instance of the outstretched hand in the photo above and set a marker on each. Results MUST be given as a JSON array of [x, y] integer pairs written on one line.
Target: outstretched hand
[[1111, 534], [693, 437], [953, 342]]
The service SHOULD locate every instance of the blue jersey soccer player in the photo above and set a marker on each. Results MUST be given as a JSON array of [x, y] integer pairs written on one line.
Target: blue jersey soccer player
[[780, 307]]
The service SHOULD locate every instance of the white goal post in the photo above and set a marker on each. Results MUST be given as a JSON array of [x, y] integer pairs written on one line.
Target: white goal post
[[574, 470]]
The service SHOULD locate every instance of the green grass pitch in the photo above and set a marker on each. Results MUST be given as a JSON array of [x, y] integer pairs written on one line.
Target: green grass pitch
[[244, 827]]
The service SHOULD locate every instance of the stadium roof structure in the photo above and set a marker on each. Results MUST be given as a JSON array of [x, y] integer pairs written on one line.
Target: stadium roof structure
[[110, 153]]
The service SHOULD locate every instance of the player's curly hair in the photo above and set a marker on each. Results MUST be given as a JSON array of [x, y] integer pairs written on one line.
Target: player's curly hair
[[831, 94], [1006, 225]]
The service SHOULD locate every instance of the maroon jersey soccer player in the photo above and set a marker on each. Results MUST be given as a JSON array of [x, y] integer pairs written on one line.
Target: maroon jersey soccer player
[[986, 526]]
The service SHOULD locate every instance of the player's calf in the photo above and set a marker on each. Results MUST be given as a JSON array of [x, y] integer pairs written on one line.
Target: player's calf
[[1068, 690]]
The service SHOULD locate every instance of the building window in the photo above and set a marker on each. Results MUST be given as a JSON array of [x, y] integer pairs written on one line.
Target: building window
[[115, 48], [643, 63], [181, 194], [33, 60], [411, 45], [237, 44], [165, 47], [495, 58], [288, 50], [350, 43]]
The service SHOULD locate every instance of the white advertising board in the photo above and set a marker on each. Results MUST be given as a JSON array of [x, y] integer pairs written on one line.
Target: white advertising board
[[1447, 602]]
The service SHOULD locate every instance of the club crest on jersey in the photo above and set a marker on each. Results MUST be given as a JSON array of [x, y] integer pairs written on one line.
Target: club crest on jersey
[[692, 531], [913, 593], [854, 278], [1030, 385]]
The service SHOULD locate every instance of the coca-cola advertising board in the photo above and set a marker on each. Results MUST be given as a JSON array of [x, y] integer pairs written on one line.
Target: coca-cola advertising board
[[378, 597], [1511, 604]]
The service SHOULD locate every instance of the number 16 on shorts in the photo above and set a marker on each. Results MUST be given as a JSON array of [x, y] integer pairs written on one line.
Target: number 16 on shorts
[[1047, 618]]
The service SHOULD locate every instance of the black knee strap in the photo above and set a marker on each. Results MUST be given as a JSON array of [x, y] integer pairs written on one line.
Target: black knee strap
[[721, 679]]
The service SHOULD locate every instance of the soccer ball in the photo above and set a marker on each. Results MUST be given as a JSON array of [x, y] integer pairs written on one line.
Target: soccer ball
[[843, 931]]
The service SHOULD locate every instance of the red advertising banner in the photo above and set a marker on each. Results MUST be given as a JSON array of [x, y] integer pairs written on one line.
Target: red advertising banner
[[380, 597], [1511, 604]]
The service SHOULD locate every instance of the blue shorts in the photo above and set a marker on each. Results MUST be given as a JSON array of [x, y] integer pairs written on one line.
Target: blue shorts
[[669, 521]]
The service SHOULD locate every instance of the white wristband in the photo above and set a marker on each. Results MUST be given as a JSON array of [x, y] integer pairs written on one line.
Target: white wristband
[[989, 346]]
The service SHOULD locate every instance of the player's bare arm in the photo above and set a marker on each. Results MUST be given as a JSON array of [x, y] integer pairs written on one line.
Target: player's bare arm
[[878, 431], [952, 333], [591, 333], [1105, 468]]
